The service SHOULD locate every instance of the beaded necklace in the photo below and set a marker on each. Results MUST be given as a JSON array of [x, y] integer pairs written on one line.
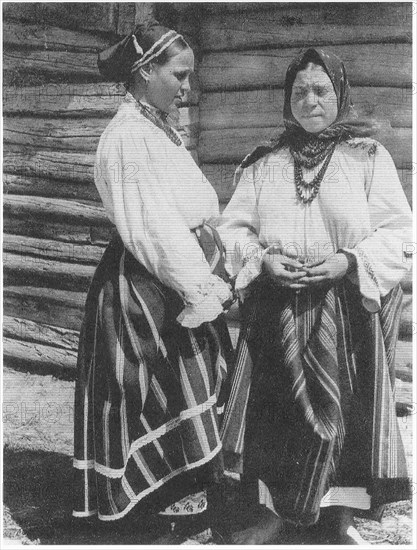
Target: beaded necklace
[[307, 192], [160, 122]]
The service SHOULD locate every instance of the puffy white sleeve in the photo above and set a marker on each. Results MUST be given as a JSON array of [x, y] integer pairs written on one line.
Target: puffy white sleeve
[[381, 257], [140, 188], [239, 230]]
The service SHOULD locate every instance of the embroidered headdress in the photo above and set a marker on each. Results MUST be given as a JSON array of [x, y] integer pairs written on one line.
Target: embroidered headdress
[[146, 43]]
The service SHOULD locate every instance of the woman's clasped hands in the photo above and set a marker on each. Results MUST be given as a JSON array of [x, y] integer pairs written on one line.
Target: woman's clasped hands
[[297, 275]]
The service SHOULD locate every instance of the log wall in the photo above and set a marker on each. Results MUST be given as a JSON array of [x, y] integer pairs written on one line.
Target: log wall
[[55, 109], [246, 50]]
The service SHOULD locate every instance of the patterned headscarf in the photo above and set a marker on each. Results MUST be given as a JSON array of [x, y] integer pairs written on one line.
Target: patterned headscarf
[[147, 42], [309, 148], [335, 70]]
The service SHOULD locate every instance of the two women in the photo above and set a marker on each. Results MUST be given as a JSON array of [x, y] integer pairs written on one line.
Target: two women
[[153, 347], [314, 235]]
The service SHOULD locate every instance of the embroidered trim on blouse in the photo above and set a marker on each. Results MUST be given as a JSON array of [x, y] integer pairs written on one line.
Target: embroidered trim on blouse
[[364, 143], [215, 286], [157, 117], [368, 267]]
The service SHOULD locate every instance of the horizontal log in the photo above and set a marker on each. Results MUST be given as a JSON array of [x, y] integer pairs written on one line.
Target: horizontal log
[[212, 8], [69, 232], [27, 207], [355, 13], [264, 108], [31, 331], [53, 250], [56, 219], [39, 357], [100, 16], [25, 68], [59, 308], [41, 37], [232, 145], [238, 36], [366, 65], [63, 99], [30, 185], [70, 99], [55, 133], [309, 25], [59, 165], [221, 178], [82, 134], [29, 270]]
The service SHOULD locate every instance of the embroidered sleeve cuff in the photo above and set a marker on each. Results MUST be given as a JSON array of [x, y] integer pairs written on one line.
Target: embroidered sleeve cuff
[[206, 304], [250, 271], [364, 276]]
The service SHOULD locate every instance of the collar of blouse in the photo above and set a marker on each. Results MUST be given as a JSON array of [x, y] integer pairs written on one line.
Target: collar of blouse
[[157, 117]]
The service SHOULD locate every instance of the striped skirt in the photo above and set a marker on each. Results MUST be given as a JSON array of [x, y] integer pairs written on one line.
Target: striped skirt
[[147, 393], [312, 399]]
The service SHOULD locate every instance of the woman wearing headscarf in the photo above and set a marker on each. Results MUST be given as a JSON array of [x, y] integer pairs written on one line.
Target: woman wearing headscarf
[[314, 235], [152, 356]]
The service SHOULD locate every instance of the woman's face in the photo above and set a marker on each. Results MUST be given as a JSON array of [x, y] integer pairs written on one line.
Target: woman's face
[[167, 83], [313, 99]]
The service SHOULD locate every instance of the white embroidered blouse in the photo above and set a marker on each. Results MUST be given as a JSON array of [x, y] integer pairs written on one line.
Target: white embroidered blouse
[[360, 208], [155, 194]]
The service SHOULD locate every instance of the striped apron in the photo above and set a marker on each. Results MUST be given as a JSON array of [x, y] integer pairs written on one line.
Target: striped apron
[[148, 390], [312, 399]]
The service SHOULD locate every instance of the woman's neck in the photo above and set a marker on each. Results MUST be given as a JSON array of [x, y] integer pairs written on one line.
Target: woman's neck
[[141, 98]]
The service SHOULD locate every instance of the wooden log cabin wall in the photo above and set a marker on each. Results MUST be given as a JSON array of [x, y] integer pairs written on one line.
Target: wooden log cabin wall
[[56, 107]]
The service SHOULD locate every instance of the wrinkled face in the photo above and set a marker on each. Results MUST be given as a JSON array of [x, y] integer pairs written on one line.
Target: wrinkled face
[[168, 83], [313, 99]]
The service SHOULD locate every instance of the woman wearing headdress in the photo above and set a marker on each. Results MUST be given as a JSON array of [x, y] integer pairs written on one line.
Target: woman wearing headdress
[[153, 349], [315, 234]]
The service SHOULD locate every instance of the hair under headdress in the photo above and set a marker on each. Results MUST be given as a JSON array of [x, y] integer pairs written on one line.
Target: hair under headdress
[[146, 43]]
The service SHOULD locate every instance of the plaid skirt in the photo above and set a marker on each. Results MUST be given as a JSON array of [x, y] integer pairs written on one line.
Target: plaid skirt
[[148, 391], [312, 400]]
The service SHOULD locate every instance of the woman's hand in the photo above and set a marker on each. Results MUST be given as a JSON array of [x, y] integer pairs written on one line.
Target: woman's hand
[[332, 269], [285, 271]]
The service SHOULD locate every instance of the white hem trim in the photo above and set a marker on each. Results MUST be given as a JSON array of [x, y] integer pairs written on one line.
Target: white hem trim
[[84, 514], [351, 497], [146, 439], [185, 468]]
